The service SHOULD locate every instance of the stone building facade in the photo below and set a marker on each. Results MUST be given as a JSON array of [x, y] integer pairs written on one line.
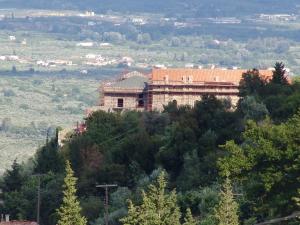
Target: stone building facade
[[137, 91], [128, 92]]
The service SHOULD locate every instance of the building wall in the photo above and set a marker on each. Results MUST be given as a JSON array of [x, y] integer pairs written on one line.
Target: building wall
[[130, 102], [182, 97], [160, 96], [159, 100]]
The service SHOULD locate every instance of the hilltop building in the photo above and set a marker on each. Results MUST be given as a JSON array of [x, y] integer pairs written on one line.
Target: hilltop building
[[128, 92], [138, 91]]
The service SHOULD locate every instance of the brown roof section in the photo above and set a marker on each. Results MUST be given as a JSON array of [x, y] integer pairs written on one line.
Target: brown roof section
[[18, 223], [203, 75]]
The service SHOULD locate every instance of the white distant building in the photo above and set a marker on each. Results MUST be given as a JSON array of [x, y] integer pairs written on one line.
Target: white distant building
[[189, 65], [90, 56], [87, 14], [217, 42], [13, 58], [279, 17], [142, 65], [2, 58], [138, 21], [105, 44], [12, 38], [160, 66], [180, 24], [95, 57], [42, 63], [85, 44], [84, 72], [91, 23], [126, 60], [90, 13]]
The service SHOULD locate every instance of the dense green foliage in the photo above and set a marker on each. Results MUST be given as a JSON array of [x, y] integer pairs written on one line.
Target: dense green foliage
[[257, 144], [266, 163]]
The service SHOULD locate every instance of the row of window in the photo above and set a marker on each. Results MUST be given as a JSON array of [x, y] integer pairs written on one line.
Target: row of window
[[120, 103], [212, 87]]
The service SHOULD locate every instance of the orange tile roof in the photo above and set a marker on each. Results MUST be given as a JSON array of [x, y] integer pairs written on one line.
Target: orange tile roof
[[13, 222], [203, 75]]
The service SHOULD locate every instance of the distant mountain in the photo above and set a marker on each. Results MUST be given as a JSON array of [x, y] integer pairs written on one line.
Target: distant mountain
[[212, 8]]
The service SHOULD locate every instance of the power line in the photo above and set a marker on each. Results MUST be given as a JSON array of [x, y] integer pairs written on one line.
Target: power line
[[278, 220], [119, 136]]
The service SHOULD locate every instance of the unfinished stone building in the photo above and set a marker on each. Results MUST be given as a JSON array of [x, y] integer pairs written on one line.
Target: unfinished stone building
[[138, 91], [127, 92]]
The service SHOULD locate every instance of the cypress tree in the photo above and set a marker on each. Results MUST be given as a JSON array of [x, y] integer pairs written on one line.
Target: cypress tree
[[189, 220], [13, 178], [279, 74], [158, 207], [70, 211], [226, 212]]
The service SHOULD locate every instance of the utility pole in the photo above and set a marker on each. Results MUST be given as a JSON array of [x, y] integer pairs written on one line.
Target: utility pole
[[39, 201], [47, 137], [106, 202], [38, 207]]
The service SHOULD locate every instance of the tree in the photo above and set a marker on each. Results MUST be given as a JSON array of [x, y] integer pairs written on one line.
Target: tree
[[190, 174], [157, 208], [14, 69], [252, 109], [251, 83], [266, 162], [226, 212], [279, 74], [70, 211], [144, 38], [189, 219], [114, 37], [13, 178], [297, 199], [48, 158]]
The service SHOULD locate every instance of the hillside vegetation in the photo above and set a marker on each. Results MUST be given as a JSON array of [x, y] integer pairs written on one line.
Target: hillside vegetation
[[256, 146], [187, 7], [31, 106]]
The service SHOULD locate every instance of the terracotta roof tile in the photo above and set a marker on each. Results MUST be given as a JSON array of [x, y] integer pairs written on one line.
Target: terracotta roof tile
[[203, 75], [13, 222]]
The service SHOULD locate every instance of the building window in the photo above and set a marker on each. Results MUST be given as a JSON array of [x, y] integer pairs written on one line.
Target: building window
[[120, 103], [141, 103], [141, 95]]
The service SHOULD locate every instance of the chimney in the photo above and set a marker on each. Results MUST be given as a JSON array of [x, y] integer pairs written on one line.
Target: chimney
[[6, 217], [166, 78]]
